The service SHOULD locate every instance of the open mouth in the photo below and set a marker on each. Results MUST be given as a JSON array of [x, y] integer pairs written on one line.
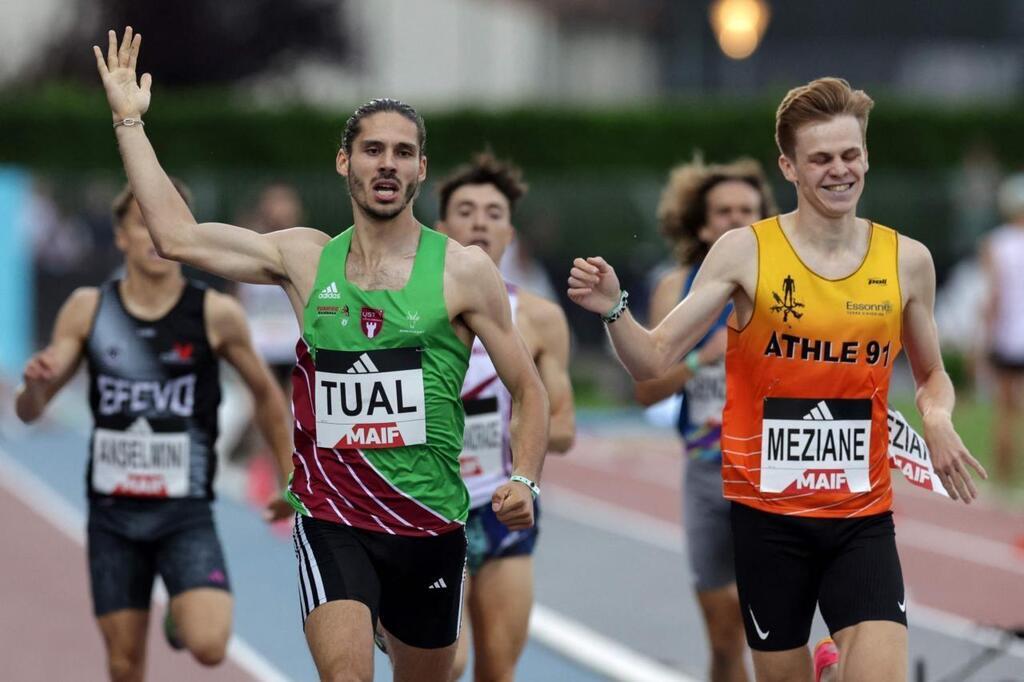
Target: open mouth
[[482, 243], [839, 188], [385, 191]]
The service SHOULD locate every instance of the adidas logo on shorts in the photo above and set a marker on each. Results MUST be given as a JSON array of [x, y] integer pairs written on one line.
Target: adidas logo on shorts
[[439, 584], [330, 291]]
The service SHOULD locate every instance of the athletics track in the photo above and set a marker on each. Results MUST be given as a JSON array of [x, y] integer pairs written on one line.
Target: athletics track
[[612, 579]]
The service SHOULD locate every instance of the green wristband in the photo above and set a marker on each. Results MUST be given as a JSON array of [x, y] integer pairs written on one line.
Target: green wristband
[[692, 361]]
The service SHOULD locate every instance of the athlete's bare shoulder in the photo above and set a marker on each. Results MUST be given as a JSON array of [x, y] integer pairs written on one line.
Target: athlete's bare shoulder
[[733, 256], [79, 309], [538, 311], [916, 268], [471, 280]]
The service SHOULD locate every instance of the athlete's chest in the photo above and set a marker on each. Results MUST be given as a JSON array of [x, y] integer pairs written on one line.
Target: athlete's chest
[[392, 274]]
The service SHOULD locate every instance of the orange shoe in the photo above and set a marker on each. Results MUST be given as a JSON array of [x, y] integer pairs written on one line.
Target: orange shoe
[[825, 655]]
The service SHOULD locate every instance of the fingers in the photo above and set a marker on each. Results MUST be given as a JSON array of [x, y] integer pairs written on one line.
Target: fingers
[[147, 81], [101, 64], [600, 263], [947, 483], [976, 465], [133, 54], [124, 53], [111, 50], [499, 497]]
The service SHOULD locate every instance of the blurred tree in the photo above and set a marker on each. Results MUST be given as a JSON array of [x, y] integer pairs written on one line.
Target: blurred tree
[[199, 42]]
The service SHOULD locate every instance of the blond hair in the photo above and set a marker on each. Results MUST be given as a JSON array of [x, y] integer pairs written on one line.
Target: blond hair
[[683, 208], [820, 100]]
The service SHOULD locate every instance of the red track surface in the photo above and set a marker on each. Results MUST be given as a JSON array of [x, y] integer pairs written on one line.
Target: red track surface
[[47, 631], [942, 571]]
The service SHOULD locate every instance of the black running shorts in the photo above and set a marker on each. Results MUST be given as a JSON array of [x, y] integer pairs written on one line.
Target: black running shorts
[[787, 565], [412, 584], [132, 541]]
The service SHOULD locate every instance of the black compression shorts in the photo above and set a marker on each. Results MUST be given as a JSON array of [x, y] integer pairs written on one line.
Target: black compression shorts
[[412, 584], [787, 565]]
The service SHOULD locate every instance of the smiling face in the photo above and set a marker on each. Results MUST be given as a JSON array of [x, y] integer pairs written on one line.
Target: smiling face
[[479, 215], [132, 238], [828, 166], [385, 167]]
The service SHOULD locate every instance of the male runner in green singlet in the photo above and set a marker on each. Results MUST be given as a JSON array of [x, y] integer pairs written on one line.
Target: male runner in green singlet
[[388, 310]]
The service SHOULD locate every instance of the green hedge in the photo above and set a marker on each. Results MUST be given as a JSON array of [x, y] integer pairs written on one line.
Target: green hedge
[[67, 128]]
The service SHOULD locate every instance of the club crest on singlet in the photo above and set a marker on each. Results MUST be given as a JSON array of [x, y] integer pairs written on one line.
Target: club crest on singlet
[[371, 320], [483, 438], [370, 399], [815, 444], [138, 462], [786, 303]]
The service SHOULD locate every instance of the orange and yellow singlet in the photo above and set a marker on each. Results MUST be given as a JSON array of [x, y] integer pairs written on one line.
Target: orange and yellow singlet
[[807, 381]]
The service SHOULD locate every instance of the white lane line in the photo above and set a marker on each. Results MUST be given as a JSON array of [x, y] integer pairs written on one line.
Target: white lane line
[[596, 513], [597, 652], [964, 546], [35, 494]]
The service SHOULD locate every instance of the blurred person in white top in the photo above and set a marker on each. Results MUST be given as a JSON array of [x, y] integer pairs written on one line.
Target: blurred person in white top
[[1002, 259]]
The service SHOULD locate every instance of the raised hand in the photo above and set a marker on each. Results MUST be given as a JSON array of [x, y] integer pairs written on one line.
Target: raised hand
[[594, 285], [128, 98]]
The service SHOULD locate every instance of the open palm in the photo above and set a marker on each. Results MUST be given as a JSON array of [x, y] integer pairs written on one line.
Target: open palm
[[127, 96]]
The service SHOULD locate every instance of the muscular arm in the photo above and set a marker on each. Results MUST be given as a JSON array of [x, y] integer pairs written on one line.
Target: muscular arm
[[231, 252], [229, 336], [666, 296], [549, 331], [50, 369], [935, 395], [481, 300], [648, 354]]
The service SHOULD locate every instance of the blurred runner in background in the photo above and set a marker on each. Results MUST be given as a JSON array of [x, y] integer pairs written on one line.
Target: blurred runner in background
[[477, 201], [699, 204]]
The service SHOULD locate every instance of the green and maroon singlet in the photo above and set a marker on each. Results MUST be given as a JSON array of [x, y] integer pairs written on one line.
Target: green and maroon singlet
[[376, 396]]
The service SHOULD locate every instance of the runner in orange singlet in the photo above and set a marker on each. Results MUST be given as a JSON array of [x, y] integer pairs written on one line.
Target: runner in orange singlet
[[824, 302]]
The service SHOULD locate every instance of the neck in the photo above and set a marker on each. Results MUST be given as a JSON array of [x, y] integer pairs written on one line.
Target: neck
[[374, 240], [830, 232], [150, 293]]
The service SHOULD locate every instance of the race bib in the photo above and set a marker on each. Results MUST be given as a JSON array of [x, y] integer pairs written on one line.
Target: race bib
[[483, 442], [140, 463], [705, 394], [815, 444], [370, 399], [909, 453]]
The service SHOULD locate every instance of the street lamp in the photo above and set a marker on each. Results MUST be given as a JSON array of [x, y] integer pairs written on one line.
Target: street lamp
[[739, 25]]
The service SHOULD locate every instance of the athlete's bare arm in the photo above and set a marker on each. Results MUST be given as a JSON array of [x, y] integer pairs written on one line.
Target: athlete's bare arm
[[546, 331], [935, 394], [730, 268], [47, 371], [231, 340], [476, 294], [226, 250]]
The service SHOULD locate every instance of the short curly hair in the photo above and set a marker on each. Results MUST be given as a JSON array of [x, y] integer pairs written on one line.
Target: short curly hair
[[484, 169], [683, 209]]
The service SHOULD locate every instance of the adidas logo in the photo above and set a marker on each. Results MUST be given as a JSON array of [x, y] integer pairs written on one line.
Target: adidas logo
[[439, 584], [820, 413], [363, 365], [330, 291]]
